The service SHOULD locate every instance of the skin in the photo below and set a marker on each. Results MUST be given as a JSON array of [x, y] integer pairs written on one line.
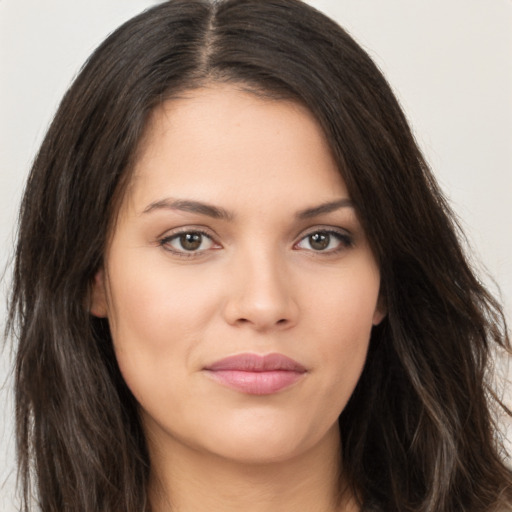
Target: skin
[[257, 283]]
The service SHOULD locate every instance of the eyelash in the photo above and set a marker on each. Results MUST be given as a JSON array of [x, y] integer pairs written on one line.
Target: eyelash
[[345, 242], [166, 241]]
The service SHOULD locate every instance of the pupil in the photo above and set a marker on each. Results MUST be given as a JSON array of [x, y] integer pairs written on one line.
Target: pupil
[[319, 241], [191, 241]]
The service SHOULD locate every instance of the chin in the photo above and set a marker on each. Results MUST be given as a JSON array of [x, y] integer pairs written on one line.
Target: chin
[[269, 442]]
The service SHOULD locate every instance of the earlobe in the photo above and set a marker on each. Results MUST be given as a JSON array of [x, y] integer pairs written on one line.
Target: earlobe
[[380, 312], [378, 316], [98, 302]]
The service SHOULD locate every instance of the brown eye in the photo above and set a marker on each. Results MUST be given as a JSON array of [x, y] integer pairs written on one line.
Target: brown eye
[[327, 241], [191, 241], [188, 242], [319, 241]]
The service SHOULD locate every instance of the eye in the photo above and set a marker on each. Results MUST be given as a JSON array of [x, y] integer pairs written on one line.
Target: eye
[[188, 243], [325, 241]]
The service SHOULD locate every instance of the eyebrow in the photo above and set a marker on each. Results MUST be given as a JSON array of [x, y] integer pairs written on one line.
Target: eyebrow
[[216, 212], [186, 205], [329, 207]]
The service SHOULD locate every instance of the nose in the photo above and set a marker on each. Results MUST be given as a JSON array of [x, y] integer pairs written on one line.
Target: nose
[[261, 294]]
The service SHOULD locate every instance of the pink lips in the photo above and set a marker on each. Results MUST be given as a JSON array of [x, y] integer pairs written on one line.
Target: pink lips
[[255, 374]]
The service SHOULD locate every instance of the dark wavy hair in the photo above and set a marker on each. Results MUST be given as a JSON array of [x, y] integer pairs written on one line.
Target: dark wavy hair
[[419, 432]]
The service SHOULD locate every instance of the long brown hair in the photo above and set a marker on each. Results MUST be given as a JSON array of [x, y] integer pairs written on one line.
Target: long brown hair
[[418, 433]]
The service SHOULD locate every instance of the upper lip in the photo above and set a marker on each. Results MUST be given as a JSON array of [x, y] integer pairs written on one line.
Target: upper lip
[[257, 363]]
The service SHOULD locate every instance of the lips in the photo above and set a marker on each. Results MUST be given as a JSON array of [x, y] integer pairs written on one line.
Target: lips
[[255, 374]]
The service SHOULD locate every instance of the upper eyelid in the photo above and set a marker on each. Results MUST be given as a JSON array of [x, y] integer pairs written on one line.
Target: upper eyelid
[[323, 228], [170, 233]]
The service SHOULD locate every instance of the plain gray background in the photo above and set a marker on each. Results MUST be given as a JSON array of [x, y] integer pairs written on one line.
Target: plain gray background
[[449, 61]]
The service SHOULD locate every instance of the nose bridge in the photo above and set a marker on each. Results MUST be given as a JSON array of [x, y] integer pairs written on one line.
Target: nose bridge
[[260, 292]]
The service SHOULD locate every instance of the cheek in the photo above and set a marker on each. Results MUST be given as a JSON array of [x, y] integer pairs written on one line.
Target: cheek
[[156, 319], [346, 311], [150, 302]]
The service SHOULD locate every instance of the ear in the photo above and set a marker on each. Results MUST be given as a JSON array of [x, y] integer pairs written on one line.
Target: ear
[[380, 311], [98, 301]]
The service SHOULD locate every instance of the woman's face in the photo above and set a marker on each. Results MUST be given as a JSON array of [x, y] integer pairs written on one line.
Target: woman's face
[[239, 286]]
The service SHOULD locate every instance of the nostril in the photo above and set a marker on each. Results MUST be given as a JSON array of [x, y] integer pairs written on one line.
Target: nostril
[[247, 321]]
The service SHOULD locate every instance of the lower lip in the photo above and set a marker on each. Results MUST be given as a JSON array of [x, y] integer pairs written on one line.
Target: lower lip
[[256, 383]]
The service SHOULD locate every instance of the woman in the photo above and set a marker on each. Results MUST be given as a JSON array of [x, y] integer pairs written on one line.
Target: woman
[[238, 285]]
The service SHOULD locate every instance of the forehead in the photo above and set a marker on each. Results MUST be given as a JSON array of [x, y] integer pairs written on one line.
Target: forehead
[[219, 139]]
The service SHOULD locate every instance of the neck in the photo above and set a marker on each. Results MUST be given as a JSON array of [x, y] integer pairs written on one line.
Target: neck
[[184, 480]]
